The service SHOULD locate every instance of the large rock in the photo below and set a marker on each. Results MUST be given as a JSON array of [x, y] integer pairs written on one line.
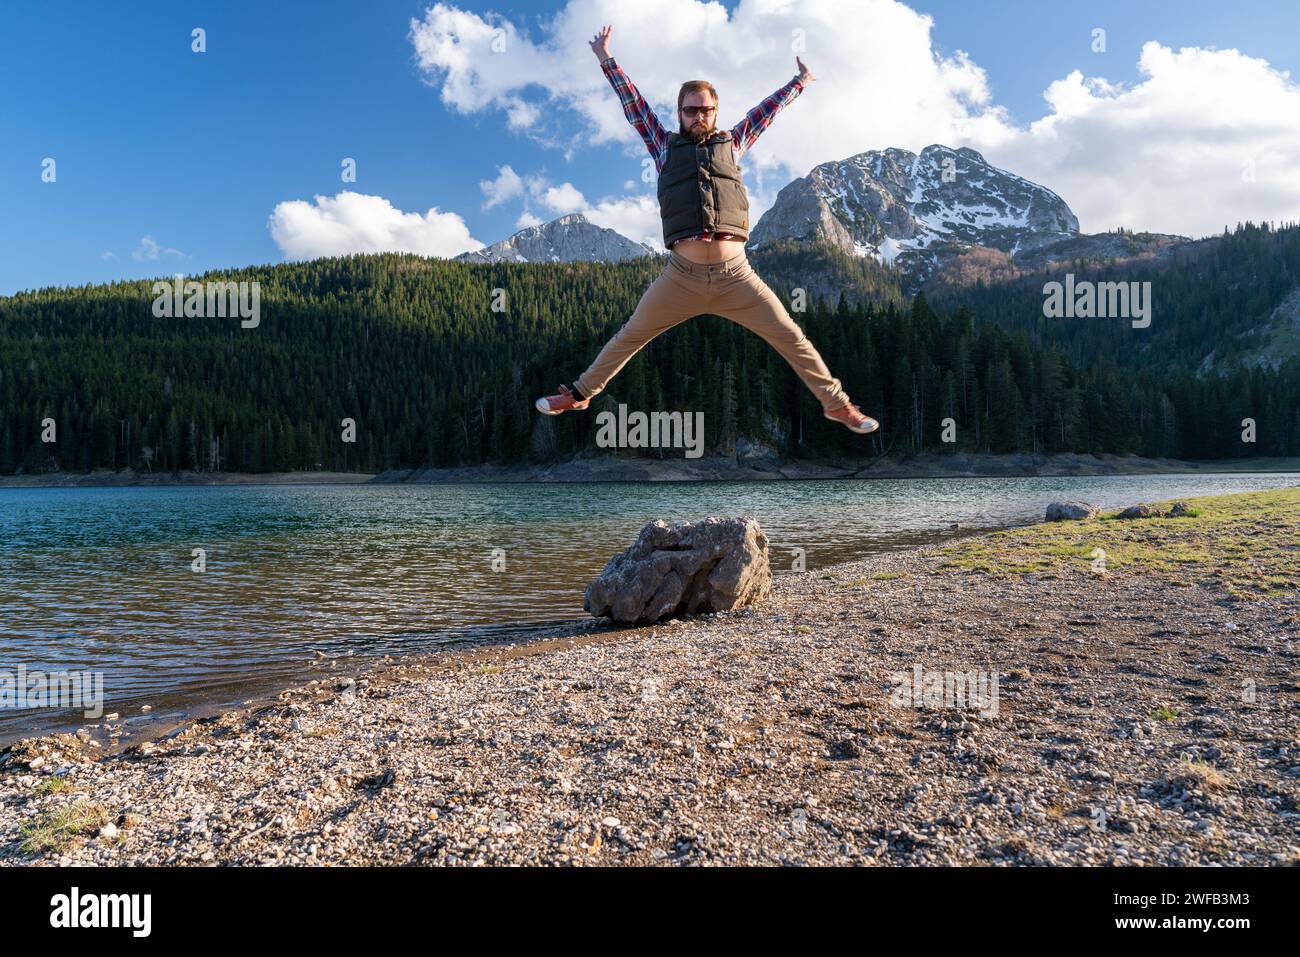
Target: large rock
[[683, 568], [1068, 511], [1141, 510]]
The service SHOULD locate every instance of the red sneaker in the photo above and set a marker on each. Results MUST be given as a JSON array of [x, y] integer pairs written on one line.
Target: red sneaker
[[566, 401], [852, 418]]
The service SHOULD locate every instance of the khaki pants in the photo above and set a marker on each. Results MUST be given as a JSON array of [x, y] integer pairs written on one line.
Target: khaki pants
[[730, 289]]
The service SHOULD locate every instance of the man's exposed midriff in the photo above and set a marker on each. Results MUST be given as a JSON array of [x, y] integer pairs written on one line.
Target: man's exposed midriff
[[708, 250]]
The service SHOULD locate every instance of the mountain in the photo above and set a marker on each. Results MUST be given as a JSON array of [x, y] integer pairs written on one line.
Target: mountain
[[879, 226], [942, 208], [567, 239], [824, 271]]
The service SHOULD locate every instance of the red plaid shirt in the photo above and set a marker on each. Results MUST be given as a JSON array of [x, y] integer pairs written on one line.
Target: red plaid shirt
[[743, 134]]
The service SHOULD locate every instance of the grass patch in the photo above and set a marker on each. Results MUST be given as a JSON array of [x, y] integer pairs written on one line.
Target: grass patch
[[1203, 773], [887, 576], [322, 731], [54, 830], [1164, 713], [1015, 845], [53, 785], [1249, 541]]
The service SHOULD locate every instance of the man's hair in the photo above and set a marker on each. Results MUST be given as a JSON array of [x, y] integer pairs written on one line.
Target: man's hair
[[695, 86]]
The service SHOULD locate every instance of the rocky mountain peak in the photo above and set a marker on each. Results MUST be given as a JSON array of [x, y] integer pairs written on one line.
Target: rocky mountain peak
[[917, 210], [569, 238]]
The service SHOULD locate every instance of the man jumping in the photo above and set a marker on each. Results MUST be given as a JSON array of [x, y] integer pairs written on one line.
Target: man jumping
[[705, 214]]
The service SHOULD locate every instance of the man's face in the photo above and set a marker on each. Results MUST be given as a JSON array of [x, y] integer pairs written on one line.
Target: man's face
[[698, 115]]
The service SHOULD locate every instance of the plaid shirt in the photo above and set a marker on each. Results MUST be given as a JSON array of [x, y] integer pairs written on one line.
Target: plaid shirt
[[743, 134]]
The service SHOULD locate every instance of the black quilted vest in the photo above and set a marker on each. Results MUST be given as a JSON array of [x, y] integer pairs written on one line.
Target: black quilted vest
[[700, 189]]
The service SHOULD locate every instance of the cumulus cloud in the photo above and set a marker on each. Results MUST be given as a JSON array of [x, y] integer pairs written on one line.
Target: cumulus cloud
[[562, 199], [507, 185], [636, 217], [857, 48], [151, 251], [1202, 139], [358, 223], [1205, 139]]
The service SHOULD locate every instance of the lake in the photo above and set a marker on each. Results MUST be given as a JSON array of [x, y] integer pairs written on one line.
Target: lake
[[294, 577]]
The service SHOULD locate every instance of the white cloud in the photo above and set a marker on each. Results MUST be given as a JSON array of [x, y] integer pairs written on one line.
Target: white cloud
[[108, 255], [506, 186], [636, 217], [520, 114], [1205, 139], [562, 199], [856, 48], [357, 223], [149, 251], [1167, 152]]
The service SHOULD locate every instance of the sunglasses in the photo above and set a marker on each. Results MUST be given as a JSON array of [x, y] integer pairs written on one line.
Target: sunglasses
[[697, 110]]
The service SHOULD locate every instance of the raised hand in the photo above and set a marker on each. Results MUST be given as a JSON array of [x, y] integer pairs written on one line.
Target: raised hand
[[600, 43], [805, 74]]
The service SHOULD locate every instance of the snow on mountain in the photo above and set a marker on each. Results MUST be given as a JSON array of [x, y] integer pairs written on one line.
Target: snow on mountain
[[917, 211], [568, 239]]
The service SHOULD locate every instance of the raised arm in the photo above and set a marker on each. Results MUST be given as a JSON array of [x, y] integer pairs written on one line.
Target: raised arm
[[635, 108], [758, 119]]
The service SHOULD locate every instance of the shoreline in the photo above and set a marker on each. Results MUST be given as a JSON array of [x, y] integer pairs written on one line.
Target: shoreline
[[741, 469], [160, 721], [128, 478], [770, 735]]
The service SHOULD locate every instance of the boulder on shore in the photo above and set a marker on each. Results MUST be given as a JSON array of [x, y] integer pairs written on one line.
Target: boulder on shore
[[1069, 511], [1141, 510], [683, 568]]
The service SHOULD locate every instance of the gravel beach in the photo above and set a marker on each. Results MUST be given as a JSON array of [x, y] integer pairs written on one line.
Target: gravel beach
[[1144, 711]]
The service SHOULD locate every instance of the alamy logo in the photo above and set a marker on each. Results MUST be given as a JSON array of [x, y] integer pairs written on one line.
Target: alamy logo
[[656, 430], [1100, 300], [209, 300], [54, 689], [946, 689], [103, 910]]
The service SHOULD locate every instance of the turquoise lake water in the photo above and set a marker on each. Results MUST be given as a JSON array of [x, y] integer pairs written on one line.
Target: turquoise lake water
[[102, 579]]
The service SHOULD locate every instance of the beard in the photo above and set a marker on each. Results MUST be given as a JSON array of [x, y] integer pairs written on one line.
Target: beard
[[700, 131]]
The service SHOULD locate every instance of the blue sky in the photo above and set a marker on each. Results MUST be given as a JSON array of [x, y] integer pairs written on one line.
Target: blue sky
[[196, 151]]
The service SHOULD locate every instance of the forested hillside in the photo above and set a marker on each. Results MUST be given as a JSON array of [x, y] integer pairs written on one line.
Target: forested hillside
[[1207, 297], [413, 351]]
